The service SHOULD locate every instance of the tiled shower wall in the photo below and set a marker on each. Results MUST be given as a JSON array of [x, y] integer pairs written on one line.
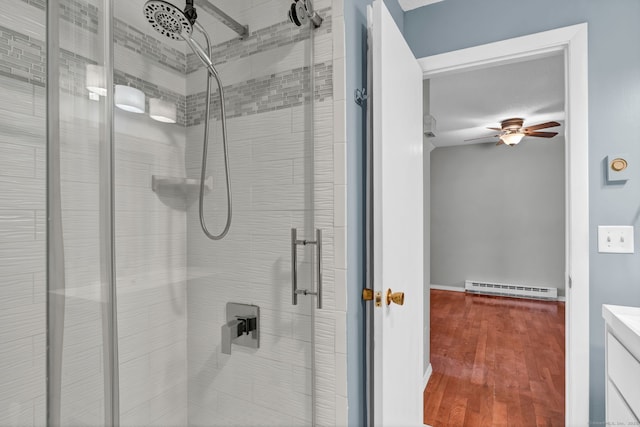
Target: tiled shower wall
[[281, 178], [150, 228], [22, 210]]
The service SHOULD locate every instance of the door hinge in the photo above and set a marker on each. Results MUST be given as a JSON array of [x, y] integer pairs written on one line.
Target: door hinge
[[361, 96]]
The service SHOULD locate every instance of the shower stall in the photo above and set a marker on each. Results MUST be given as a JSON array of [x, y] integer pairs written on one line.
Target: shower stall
[[117, 307]]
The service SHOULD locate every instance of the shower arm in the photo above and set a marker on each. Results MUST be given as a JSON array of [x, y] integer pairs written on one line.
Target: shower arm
[[238, 28]]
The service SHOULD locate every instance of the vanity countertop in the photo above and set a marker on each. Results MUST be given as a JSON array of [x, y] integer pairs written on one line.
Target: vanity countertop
[[624, 323]]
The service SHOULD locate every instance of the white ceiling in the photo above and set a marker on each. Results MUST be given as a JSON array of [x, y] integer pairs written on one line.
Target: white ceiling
[[414, 4], [465, 104]]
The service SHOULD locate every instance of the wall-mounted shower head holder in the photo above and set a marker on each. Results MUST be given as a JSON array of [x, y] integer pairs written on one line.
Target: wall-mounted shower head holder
[[301, 12], [190, 12]]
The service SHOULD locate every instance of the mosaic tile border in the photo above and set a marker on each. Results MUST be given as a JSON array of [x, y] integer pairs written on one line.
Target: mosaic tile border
[[86, 16], [149, 47], [22, 57], [275, 92], [80, 13], [40, 4], [77, 12]]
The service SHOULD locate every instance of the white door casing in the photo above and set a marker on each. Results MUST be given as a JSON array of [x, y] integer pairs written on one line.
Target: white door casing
[[397, 223]]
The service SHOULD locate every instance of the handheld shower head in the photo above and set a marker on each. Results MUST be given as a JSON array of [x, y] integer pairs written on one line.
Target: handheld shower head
[[167, 19]]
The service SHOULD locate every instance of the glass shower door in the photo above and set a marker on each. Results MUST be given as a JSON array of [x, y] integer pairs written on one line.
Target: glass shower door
[[266, 77], [174, 284], [126, 114]]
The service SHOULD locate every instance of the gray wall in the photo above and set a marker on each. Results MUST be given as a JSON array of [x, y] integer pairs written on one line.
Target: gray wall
[[426, 302], [498, 214], [426, 225], [355, 24], [614, 106], [396, 13]]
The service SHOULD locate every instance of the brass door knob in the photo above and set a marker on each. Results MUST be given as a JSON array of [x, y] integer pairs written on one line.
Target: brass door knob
[[395, 297]]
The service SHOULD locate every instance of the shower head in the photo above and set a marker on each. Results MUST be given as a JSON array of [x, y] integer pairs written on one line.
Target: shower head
[[167, 19]]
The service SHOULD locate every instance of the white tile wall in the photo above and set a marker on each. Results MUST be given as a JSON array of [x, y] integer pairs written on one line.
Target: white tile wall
[[252, 264], [275, 168], [151, 248], [339, 213], [22, 253]]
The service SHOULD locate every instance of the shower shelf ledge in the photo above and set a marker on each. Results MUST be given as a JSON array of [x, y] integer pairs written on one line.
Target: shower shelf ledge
[[181, 185]]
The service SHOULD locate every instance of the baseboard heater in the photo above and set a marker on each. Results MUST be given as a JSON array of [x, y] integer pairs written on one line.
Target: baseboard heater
[[516, 291]]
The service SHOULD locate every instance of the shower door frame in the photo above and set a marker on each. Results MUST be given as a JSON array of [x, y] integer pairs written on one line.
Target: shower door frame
[[55, 239]]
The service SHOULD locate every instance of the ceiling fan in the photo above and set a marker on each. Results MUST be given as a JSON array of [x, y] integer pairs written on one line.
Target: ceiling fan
[[511, 131]]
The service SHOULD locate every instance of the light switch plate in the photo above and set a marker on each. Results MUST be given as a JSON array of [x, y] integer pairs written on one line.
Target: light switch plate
[[615, 239]]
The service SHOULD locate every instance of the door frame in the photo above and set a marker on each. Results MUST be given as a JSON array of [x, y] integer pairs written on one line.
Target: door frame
[[394, 142], [572, 42]]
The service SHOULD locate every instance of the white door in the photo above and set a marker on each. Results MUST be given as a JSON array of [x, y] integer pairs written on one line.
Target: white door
[[397, 223]]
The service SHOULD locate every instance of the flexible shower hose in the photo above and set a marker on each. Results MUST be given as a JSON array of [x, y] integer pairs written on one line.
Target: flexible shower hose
[[211, 71]]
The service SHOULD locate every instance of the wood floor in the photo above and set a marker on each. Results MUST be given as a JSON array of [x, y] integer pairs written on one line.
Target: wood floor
[[496, 362]]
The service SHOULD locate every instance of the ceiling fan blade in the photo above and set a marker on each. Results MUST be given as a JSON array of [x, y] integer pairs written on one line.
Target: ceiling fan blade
[[483, 137], [541, 134], [541, 126], [498, 129]]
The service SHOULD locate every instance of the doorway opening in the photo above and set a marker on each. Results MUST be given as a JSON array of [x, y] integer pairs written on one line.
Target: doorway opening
[[571, 44], [497, 218]]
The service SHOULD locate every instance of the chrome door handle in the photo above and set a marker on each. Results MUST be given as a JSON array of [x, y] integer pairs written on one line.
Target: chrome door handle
[[294, 267]]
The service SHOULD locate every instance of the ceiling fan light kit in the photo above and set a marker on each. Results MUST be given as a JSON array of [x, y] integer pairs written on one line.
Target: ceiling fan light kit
[[512, 139], [511, 131]]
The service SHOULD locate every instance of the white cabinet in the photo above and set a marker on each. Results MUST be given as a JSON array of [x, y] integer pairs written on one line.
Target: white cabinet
[[622, 364], [618, 413]]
